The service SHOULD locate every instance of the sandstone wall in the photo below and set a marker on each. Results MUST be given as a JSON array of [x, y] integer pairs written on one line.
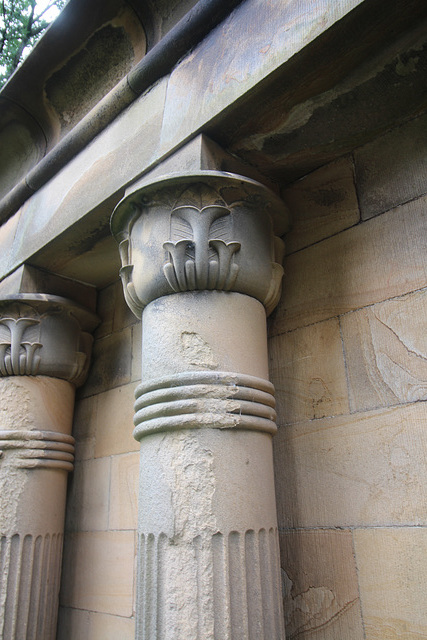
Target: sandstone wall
[[348, 353]]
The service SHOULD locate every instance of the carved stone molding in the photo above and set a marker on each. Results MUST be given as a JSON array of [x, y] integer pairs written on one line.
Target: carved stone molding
[[201, 262], [201, 231], [45, 335]]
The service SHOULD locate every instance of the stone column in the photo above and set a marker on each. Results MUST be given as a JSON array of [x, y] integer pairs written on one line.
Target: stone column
[[44, 355], [201, 263]]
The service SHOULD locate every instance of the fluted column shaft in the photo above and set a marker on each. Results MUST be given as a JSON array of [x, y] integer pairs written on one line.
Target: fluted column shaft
[[39, 335], [208, 558]]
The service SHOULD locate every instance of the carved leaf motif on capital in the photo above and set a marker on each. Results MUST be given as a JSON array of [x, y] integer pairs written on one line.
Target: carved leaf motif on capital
[[18, 356], [199, 253], [30, 344]]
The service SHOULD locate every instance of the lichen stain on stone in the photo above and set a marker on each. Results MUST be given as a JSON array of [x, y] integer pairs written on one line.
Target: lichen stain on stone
[[197, 351]]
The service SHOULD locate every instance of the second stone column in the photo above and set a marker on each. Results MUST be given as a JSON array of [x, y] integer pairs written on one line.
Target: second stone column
[[201, 262]]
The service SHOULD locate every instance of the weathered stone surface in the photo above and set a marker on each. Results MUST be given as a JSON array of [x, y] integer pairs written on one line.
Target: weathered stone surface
[[111, 363], [392, 169], [382, 258], [75, 624], [386, 352], [321, 204], [307, 370], [367, 469], [321, 599], [392, 569], [98, 572], [359, 81], [277, 33], [124, 491], [88, 500]]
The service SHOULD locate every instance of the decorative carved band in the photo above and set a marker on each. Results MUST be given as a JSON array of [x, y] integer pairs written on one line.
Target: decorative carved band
[[243, 576], [199, 399], [39, 449], [30, 569]]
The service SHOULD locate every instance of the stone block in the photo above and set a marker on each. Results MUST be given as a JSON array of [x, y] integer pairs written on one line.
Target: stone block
[[321, 204], [386, 352], [307, 370], [392, 170], [75, 624], [380, 259], [98, 572], [392, 569], [321, 599], [366, 469], [114, 422], [124, 491], [111, 363], [87, 505]]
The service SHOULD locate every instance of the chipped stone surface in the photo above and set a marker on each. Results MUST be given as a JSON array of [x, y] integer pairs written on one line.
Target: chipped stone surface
[[197, 351], [321, 599]]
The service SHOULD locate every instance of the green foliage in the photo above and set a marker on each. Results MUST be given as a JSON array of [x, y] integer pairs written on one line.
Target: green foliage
[[22, 22]]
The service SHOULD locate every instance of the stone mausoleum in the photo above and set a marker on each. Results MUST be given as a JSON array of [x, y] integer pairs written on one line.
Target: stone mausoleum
[[213, 302]]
